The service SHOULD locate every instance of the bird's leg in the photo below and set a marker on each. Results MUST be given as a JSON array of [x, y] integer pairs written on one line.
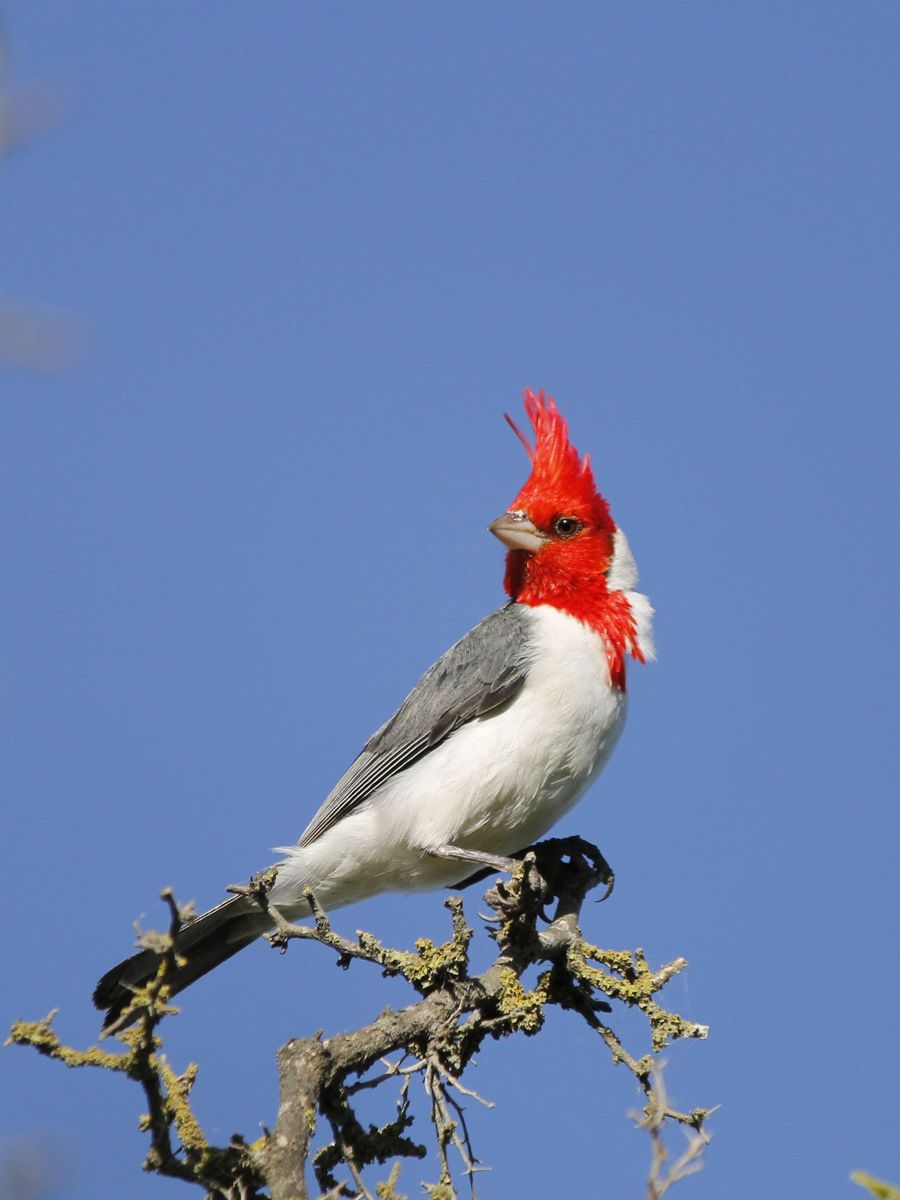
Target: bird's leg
[[495, 861]]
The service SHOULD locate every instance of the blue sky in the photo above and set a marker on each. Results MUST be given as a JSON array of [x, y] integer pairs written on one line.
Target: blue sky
[[314, 252]]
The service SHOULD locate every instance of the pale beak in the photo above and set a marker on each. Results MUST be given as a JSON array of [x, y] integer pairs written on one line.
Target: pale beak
[[516, 532]]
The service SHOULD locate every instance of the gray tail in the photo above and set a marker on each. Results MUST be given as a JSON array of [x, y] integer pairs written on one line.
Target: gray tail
[[204, 943]]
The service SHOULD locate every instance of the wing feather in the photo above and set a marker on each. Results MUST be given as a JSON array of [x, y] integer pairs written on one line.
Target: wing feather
[[476, 676]]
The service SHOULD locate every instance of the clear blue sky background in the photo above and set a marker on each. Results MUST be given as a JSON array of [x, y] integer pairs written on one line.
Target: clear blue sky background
[[318, 250]]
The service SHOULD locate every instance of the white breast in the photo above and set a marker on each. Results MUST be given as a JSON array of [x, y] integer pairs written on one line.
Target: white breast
[[497, 784]]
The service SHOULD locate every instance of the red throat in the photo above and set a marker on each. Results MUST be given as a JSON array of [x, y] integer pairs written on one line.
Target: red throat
[[569, 574], [588, 600]]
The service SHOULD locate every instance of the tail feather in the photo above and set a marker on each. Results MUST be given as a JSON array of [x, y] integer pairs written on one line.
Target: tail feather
[[204, 943]]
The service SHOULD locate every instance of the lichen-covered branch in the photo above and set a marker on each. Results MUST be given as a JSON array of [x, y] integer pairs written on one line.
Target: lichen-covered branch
[[230, 1172], [432, 1040]]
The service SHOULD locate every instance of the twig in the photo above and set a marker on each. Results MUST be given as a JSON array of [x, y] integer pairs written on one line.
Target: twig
[[656, 1113]]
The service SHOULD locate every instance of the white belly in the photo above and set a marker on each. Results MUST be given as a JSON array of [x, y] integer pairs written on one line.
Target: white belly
[[497, 784]]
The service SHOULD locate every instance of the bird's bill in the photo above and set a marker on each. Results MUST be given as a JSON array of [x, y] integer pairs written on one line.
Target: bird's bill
[[517, 532]]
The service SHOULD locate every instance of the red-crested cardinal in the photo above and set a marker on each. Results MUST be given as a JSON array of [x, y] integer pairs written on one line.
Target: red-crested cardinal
[[494, 744]]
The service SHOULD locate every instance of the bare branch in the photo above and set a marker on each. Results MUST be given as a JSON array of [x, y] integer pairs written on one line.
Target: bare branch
[[654, 1117]]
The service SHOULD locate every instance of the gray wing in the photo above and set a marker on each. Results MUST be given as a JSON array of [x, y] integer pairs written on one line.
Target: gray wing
[[482, 671]]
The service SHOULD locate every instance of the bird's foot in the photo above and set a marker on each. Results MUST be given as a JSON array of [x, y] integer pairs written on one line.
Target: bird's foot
[[572, 861], [564, 869], [562, 862]]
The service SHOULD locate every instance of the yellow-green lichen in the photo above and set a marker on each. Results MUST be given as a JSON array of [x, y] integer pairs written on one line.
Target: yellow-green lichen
[[522, 1009], [41, 1035], [388, 1189], [178, 1088]]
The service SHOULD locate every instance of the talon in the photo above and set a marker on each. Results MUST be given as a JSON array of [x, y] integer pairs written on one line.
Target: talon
[[610, 884]]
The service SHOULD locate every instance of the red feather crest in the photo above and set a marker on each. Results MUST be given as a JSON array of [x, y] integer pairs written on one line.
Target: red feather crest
[[557, 469]]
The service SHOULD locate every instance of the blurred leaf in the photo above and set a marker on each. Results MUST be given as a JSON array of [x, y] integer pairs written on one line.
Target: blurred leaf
[[884, 1191], [38, 340]]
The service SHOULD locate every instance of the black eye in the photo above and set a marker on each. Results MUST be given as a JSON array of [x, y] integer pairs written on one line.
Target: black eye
[[566, 527]]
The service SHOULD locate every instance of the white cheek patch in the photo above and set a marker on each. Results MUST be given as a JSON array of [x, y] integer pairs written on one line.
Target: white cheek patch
[[622, 576], [642, 611]]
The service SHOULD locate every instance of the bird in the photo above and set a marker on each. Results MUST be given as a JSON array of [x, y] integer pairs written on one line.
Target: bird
[[495, 743]]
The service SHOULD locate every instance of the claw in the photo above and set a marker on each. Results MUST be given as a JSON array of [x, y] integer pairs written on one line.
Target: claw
[[610, 882]]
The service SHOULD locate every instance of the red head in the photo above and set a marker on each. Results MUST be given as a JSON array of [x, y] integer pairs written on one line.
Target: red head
[[561, 538], [558, 529]]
